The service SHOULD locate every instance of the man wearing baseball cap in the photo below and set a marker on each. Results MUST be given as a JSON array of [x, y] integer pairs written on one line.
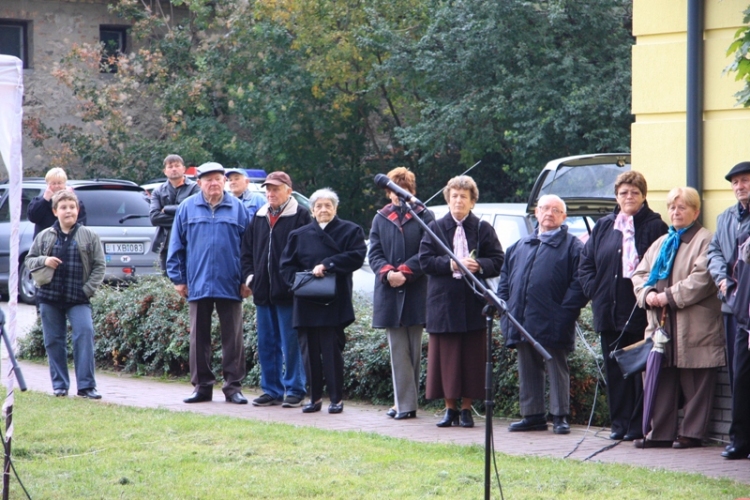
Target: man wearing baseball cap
[[238, 184], [204, 265], [732, 226], [282, 375]]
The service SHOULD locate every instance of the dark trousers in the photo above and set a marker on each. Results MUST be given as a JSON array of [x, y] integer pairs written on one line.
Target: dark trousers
[[321, 354], [163, 260], [730, 330], [740, 428], [624, 395], [232, 345]]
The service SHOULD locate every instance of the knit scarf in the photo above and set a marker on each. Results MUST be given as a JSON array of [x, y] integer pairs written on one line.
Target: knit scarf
[[663, 265], [460, 245]]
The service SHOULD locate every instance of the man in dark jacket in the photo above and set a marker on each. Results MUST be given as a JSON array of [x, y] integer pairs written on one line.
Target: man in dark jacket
[[539, 281], [40, 208], [164, 202], [282, 377]]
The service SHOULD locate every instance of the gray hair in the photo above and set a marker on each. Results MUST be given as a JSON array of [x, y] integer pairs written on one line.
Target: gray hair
[[324, 194], [552, 197]]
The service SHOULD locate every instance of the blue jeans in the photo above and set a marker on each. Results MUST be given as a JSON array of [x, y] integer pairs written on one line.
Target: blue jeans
[[281, 369], [55, 341]]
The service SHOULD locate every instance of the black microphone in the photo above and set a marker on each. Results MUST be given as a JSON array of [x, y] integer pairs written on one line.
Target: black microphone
[[384, 182]]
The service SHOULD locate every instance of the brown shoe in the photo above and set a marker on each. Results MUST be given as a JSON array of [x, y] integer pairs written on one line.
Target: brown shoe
[[647, 443], [683, 442]]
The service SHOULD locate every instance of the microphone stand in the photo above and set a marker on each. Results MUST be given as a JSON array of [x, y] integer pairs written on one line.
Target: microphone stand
[[494, 304]]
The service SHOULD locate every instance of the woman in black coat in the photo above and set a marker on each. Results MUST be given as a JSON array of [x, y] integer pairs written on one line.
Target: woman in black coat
[[609, 258], [457, 347], [400, 290], [326, 245]]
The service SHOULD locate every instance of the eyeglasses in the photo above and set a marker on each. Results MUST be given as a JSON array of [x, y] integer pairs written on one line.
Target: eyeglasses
[[555, 211], [624, 194]]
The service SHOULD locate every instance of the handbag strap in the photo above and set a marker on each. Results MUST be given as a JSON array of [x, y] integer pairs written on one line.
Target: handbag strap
[[616, 343]]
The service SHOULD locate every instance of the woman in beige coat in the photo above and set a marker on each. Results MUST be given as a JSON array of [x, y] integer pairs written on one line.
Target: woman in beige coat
[[673, 276]]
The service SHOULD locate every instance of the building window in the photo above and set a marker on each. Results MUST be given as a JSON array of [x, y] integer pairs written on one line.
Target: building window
[[114, 41], [14, 40]]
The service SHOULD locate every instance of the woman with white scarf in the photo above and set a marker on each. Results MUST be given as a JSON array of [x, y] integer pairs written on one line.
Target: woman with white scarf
[[611, 255]]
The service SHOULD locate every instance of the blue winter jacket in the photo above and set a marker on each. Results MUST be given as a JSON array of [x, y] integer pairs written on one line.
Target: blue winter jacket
[[204, 247]]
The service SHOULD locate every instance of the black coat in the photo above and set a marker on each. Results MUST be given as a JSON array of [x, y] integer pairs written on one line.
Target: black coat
[[261, 251], [452, 306], [600, 272], [540, 284], [41, 214], [341, 248], [394, 245]]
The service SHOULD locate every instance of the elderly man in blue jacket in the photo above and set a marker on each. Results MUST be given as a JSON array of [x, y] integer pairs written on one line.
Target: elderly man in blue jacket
[[204, 265], [539, 281]]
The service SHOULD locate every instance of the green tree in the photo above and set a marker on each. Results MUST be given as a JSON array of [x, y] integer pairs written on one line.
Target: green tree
[[740, 49]]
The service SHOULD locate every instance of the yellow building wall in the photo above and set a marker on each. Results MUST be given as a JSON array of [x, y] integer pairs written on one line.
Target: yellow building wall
[[659, 101]]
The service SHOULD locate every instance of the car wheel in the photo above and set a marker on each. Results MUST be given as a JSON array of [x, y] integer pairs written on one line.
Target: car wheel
[[26, 286]]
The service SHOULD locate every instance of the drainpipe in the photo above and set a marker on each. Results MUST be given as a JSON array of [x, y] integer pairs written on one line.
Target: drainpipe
[[694, 115]]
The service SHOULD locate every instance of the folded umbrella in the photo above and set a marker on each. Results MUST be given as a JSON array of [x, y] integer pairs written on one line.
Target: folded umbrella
[[651, 379]]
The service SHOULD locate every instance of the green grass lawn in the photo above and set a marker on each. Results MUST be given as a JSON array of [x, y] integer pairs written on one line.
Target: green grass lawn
[[70, 448]]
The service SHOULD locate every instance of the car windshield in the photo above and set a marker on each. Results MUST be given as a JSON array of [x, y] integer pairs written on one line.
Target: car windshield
[[107, 207], [589, 181]]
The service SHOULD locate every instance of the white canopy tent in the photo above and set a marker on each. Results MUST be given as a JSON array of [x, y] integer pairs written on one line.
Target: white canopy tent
[[11, 114]]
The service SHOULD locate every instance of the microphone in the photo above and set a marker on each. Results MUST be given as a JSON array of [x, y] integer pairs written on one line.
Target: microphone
[[382, 180]]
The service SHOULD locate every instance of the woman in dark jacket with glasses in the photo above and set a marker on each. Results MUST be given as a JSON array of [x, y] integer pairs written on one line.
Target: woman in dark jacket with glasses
[[609, 259]]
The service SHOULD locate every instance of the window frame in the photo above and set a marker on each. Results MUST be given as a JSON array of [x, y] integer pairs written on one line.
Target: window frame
[[25, 27], [122, 31]]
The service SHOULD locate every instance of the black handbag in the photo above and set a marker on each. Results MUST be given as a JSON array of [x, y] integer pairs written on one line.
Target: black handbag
[[632, 359], [309, 287]]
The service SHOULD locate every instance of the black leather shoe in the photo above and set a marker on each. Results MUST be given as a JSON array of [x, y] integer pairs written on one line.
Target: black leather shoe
[[648, 443], [450, 418], [406, 414], [312, 407], [336, 407], [198, 397], [237, 398], [466, 420], [616, 436], [89, 394], [530, 423], [734, 453], [391, 412], [61, 393], [632, 437], [560, 424]]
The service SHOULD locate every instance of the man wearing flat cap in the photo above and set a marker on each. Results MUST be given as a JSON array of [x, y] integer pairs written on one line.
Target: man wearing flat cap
[[204, 264], [732, 228], [239, 181], [282, 375]]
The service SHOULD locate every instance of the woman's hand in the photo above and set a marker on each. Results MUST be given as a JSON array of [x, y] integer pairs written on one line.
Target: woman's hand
[[471, 264], [396, 279], [655, 299], [319, 270], [52, 262]]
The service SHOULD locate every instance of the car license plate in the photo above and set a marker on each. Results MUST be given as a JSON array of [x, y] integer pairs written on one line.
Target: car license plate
[[121, 248]]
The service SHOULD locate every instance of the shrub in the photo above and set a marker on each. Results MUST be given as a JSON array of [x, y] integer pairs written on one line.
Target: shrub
[[144, 329]]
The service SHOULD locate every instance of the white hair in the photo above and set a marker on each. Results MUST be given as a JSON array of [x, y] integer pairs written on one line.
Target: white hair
[[324, 194], [554, 197]]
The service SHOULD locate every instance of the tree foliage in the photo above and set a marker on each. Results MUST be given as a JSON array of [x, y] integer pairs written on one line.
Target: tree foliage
[[334, 92], [740, 49]]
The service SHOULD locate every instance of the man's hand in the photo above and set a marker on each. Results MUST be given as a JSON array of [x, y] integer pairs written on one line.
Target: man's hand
[[182, 290], [245, 291], [723, 287], [52, 262], [396, 279]]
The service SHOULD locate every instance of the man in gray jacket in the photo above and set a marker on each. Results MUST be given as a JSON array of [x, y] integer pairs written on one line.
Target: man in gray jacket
[[722, 252], [164, 202]]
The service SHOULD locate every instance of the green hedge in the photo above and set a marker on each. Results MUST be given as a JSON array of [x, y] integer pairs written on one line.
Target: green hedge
[[144, 329]]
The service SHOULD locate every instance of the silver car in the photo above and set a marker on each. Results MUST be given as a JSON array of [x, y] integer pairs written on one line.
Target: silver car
[[118, 211]]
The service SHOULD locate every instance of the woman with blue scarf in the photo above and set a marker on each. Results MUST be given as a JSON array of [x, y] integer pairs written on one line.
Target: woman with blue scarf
[[673, 282]]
